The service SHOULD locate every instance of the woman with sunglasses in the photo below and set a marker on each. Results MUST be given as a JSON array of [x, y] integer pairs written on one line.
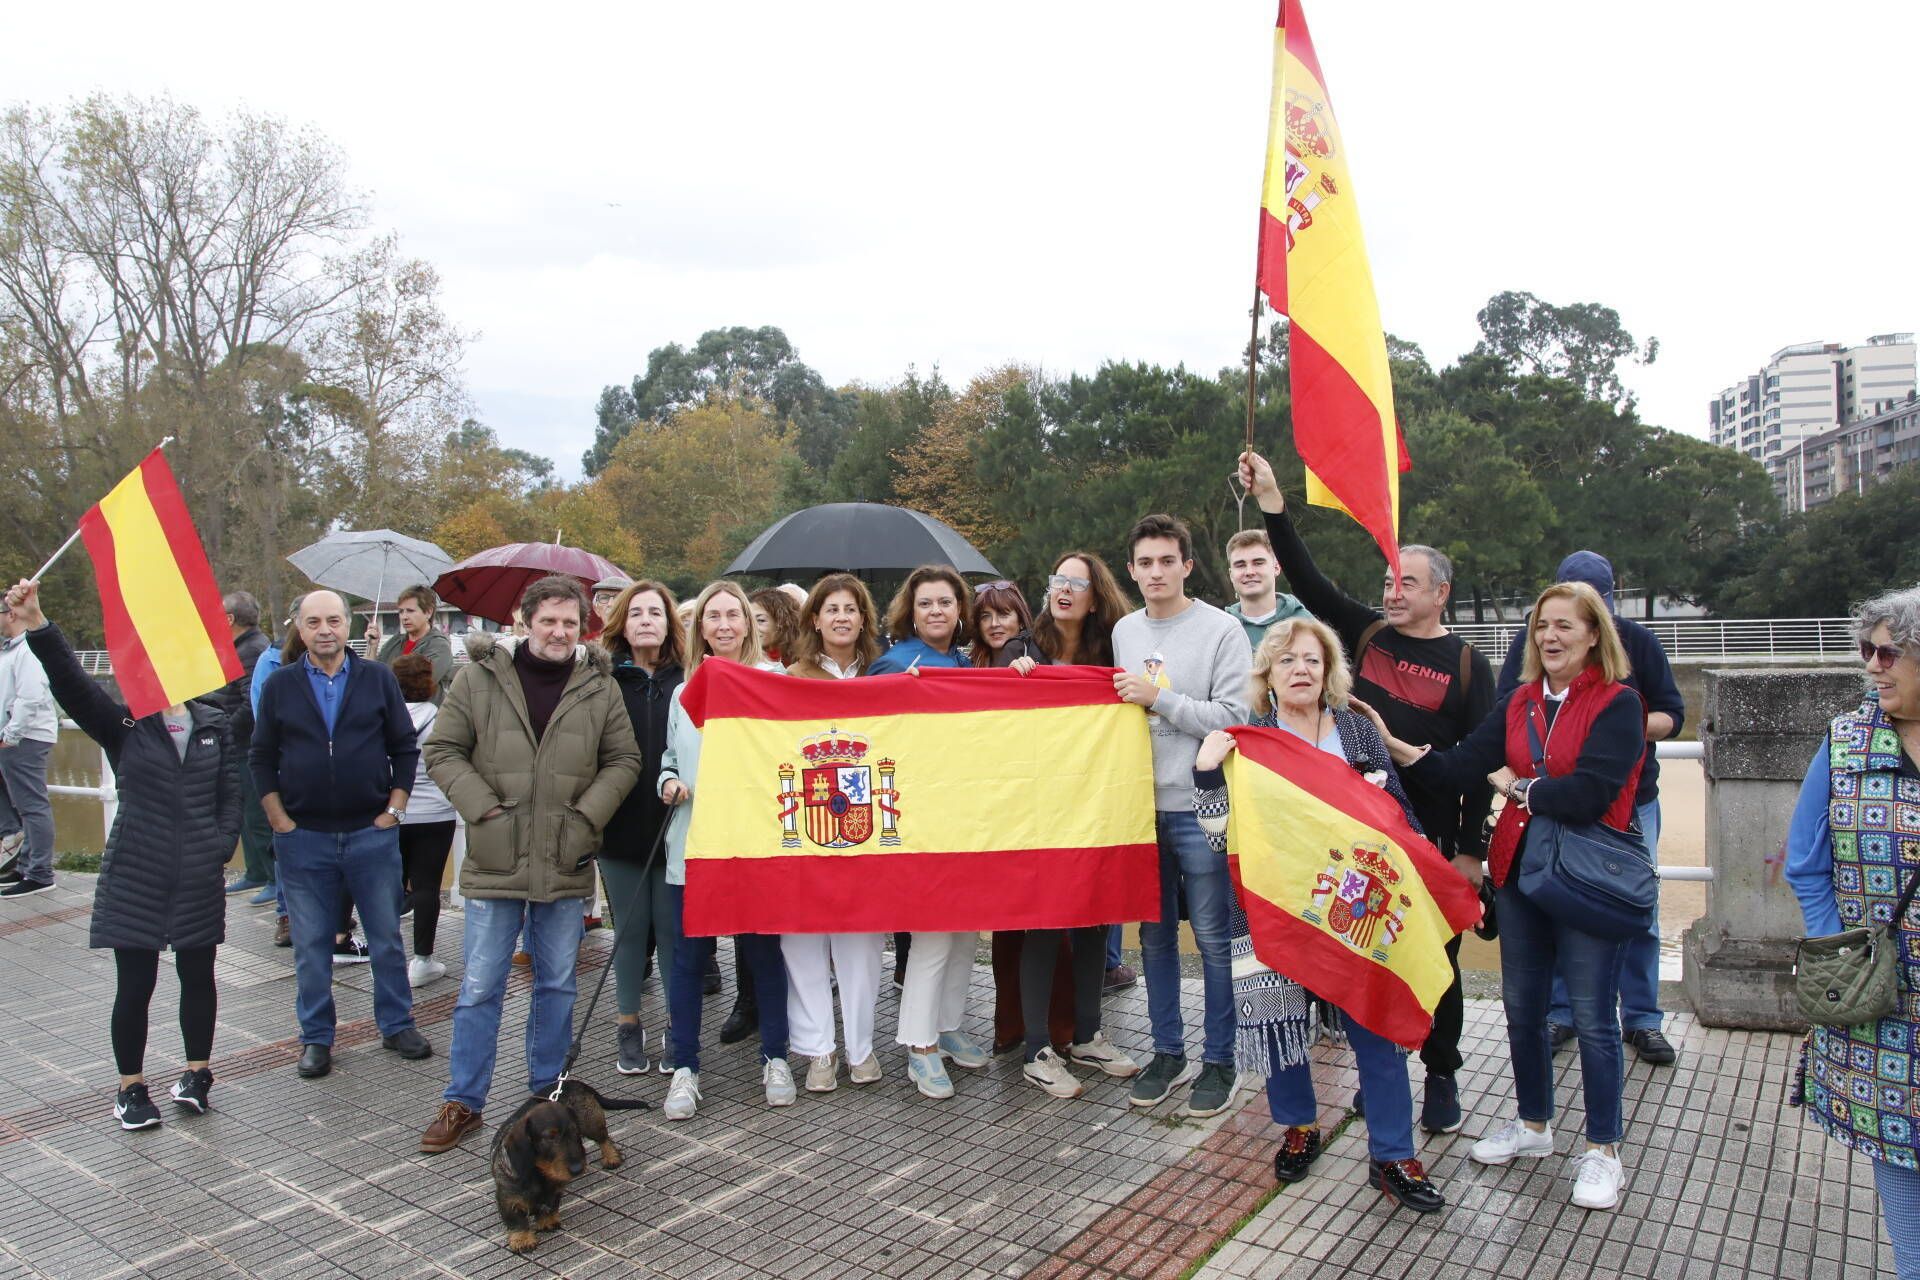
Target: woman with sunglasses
[[1083, 603], [1850, 863], [1003, 631]]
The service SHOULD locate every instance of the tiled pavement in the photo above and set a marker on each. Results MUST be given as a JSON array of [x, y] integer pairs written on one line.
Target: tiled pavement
[[290, 1178]]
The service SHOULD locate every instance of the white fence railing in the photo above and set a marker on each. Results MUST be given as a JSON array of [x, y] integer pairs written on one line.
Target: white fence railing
[[1705, 637]]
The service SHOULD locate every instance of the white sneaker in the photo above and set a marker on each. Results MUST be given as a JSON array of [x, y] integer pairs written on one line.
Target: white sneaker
[[1511, 1141], [1597, 1179], [424, 969], [1051, 1074], [1103, 1053], [823, 1074], [778, 1079], [683, 1095], [865, 1072]]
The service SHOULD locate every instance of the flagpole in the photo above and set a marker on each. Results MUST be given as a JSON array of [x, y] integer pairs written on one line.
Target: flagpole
[[1253, 362], [75, 535]]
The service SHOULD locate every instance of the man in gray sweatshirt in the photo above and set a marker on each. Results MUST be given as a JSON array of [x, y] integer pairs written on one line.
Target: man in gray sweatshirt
[[1188, 664]]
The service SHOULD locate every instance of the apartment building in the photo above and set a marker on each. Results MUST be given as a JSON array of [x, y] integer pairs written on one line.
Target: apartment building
[[1850, 458], [1808, 389]]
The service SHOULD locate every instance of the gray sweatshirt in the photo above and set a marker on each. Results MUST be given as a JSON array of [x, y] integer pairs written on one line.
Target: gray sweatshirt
[[1200, 660]]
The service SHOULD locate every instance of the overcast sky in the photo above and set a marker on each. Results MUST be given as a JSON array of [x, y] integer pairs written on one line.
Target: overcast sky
[[1064, 183]]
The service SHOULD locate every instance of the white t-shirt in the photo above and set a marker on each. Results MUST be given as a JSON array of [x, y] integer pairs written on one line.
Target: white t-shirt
[[426, 804]]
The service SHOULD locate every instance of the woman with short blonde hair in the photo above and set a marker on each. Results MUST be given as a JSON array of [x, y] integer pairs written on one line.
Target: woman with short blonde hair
[[1339, 676]]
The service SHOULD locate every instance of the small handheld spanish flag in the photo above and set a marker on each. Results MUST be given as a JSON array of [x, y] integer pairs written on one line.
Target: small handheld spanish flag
[[1341, 893], [165, 626]]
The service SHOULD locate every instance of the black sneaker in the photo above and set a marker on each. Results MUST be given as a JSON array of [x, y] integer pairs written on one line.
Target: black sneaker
[[1298, 1150], [1213, 1092], [134, 1109], [350, 950], [25, 888], [1405, 1183], [1653, 1048], [1559, 1037], [190, 1090], [1167, 1072], [1440, 1113]]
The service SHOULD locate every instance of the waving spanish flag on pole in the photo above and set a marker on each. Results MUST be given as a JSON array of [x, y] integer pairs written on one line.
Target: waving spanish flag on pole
[[1342, 895], [165, 626], [1313, 268], [951, 800]]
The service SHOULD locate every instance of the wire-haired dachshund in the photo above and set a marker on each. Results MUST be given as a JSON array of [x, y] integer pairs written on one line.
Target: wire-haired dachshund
[[540, 1149]]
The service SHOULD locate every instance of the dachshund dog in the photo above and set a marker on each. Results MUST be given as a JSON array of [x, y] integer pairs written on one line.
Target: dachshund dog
[[539, 1150]]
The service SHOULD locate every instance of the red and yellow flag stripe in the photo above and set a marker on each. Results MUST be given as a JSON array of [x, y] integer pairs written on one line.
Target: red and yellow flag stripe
[[165, 626], [1341, 893], [972, 799], [1313, 267]]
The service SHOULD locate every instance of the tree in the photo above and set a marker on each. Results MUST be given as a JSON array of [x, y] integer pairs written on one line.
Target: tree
[[1583, 342], [1823, 562], [758, 363], [937, 472], [885, 421]]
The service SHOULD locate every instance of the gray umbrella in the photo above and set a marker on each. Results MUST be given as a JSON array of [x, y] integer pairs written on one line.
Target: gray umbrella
[[856, 536], [362, 562]]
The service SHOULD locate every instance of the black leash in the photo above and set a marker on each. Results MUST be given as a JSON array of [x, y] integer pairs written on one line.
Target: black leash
[[580, 1035]]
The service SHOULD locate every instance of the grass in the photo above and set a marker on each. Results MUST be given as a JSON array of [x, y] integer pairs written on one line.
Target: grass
[[86, 863], [1240, 1224]]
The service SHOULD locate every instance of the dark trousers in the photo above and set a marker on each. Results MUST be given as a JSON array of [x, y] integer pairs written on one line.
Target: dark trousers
[[1040, 973], [138, 971], [423, 859], [256, 837], [1009, 1017], [1441, 1052]]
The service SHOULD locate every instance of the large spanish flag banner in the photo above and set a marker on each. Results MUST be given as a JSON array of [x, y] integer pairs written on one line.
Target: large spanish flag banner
[[1342, 894], [165, 626], [1313, 268], [950, 800]]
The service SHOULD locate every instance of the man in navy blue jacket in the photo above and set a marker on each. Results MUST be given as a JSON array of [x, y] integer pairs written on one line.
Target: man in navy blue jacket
[[333, 757], [1652, 676]]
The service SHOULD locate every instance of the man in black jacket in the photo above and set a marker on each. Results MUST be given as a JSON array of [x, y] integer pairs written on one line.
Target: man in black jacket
[[1429, 685], [1652, 678], [256, 837], [334, 757]]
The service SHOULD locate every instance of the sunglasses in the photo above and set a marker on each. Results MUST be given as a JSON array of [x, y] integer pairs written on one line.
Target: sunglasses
[[1061, 582], [996, 585], [1888, 654]]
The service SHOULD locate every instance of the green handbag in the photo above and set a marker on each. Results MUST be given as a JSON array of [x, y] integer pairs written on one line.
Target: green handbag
[[1845, 979]]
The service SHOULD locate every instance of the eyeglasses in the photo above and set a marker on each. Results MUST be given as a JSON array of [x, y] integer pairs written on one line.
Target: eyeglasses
[[1888, 654], [1061, 582], [997, 584]]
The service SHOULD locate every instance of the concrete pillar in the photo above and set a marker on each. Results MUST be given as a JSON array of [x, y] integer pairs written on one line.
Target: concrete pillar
[[1759, 732]]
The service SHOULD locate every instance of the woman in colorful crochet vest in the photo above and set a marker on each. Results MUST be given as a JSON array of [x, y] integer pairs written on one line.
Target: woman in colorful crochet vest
[[1853, 847]]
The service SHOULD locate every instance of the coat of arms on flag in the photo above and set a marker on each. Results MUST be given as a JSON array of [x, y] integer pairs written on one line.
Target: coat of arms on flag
[[837, 795]]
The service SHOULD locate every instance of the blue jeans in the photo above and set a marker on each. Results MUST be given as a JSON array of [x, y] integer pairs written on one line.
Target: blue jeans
[[1531, 943], [1638, 976], [1114, 938], [1900, 1210], [1383, 1087], [553, 931], [759, 951], [315, 868], [1192, 872]]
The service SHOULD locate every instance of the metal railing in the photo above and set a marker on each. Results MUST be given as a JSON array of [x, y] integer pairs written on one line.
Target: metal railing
[[1694, 638]]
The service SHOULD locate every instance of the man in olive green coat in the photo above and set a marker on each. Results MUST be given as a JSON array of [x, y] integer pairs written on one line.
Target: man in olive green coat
[[535, 750]]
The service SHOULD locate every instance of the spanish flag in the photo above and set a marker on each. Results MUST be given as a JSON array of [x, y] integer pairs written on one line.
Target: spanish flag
[[166, 628], [951, 800], [1313, 267], [1342, 895]]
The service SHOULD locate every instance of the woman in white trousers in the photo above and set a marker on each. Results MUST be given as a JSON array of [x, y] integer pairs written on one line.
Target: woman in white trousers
[[933, 1001]]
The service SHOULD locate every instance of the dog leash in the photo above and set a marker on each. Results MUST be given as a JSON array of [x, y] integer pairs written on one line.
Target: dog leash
[[580, 1035]]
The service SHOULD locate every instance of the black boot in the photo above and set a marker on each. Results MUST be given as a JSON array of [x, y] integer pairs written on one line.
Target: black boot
[[710, 976], [742, 1022]]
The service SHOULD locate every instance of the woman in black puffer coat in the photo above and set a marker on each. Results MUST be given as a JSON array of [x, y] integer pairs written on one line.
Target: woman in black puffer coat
[[162, 882]]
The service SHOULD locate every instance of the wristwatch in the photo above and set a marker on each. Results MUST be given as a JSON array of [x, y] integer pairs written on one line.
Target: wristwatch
[[1518, 791], [399, 815]]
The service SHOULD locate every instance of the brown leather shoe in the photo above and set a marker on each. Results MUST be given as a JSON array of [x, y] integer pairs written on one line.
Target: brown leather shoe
[[283, 933], [522, 958], [453, 1123]]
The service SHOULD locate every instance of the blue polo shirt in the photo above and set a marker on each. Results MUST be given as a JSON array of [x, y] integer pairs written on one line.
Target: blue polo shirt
[[327, 690]]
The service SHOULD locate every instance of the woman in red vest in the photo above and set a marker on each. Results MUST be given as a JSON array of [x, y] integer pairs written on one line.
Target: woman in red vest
[[1593, 730]]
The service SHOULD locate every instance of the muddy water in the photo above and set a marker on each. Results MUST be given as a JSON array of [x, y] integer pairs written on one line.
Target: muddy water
[[76, 820]]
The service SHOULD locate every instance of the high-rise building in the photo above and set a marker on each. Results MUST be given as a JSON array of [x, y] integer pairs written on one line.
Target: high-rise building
[[1850, 458], [1810, 388]]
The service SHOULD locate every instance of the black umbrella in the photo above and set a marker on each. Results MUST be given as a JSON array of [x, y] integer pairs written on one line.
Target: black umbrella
[[856, 536]]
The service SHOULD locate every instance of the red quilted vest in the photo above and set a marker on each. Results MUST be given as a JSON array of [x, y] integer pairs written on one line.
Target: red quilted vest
[[1589, 695]]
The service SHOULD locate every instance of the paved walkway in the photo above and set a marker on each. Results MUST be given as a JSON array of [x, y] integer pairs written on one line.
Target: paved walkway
[[291, 1178]]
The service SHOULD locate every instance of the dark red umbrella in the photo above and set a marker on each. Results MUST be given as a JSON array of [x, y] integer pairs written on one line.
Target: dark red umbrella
[[490, 583]]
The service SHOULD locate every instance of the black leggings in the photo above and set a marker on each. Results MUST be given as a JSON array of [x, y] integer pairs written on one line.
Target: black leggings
[[423, 855], [1037, 959], [138, 971]]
